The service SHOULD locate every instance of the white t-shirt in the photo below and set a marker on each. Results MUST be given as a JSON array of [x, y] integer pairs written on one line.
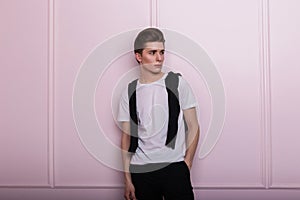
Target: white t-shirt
[[153, 116]]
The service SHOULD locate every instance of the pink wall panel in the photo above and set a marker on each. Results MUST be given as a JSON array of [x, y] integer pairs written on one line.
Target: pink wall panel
[[229, 32], [116, 194], [79, 27], [44, 43], [285, 97], [23, 89]]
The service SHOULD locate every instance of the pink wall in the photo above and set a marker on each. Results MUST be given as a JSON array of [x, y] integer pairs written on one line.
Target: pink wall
[[44, 44]]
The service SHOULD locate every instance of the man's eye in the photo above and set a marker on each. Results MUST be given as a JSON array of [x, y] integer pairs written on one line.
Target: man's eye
[[151, 52], [162, 52]]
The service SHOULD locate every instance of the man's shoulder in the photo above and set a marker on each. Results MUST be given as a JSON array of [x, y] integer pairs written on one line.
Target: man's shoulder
[[174, 74]]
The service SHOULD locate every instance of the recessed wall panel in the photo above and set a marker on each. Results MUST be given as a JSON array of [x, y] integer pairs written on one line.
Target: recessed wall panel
[[285, 98], [81, 26], [229, 33], [24, 93]]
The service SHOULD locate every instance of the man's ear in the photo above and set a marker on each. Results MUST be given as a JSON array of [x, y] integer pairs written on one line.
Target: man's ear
[[138, 57]]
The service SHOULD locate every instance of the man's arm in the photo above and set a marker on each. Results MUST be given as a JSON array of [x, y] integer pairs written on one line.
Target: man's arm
[[193, 135], [125, 142]]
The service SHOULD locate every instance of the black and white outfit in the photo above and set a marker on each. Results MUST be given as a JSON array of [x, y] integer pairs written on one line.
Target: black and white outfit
[[156, 169]]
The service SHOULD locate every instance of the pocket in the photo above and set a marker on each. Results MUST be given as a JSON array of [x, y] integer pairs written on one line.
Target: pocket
[[186, 166]]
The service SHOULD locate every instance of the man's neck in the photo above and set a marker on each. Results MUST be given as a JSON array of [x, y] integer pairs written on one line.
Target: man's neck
[[150, 77]]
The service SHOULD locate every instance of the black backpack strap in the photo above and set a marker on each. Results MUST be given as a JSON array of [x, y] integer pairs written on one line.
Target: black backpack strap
[[133, 116], [172, 82]]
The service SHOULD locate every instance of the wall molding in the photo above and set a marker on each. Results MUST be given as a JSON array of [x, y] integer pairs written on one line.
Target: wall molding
[[264, 61], [195, 186], [285, 186], [154, 21], [51, 42], [118, 193]]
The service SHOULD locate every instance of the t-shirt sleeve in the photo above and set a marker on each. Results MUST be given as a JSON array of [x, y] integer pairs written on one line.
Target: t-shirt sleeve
[[186, 96], [123, 114]]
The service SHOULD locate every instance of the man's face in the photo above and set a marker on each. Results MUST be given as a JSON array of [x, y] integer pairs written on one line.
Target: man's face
[[152, 57]]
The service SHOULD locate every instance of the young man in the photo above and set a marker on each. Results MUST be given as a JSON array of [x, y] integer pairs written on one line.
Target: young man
[[154, 111]]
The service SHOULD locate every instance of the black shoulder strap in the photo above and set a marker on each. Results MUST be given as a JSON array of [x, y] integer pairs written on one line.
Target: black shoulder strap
[[133, 116], [172, 82]]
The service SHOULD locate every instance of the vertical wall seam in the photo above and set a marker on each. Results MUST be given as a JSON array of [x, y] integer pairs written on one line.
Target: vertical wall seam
[[268, 89], [265, 91], [150, 12], [157, 13], [154, 13], [262, 108], [51, 93]]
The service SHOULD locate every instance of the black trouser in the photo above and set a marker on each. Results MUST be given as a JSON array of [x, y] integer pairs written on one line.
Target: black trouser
[[171, 181]]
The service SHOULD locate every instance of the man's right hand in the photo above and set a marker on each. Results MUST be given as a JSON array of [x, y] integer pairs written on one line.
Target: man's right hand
[[129, 191]]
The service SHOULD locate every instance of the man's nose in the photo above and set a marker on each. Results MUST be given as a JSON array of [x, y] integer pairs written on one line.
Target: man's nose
[[158, 57]]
